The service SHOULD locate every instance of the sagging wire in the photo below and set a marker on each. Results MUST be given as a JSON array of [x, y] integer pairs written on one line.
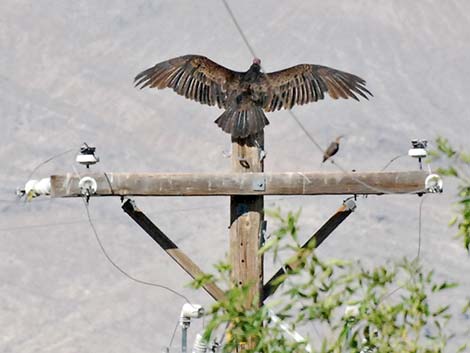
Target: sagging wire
[[299, 123], [20, 192], [393, 160], [318, 146], [117, 267], [85, 200], [242, 34], [418, 253], [270, 202], [420, 225], [173, 336], [48, 160]]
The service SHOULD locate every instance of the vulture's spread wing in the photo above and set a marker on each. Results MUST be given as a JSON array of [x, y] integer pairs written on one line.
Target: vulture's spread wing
[[193, 76], [306, 83]]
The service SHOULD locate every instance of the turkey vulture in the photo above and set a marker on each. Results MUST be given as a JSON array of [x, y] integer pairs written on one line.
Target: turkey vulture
[[332, 149], [245, 95]]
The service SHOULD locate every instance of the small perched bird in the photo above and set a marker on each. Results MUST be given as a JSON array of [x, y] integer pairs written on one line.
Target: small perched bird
[[245, 96], [332, 149]]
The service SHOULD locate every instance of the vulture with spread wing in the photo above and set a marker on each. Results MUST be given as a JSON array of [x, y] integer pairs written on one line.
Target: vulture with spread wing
[[245, 96]]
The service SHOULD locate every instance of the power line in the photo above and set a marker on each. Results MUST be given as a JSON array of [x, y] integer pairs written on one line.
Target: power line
[[117, 267], [392, 160], [418, 253], [108, 219], [16, 201], [103, 220], [173, 335], [318, 146], [420, 226], [113, 263], [48, 160], [299, 123], [242, 34]]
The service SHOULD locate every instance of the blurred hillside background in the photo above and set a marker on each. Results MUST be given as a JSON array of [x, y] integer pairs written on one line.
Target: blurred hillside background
[[66, 72]]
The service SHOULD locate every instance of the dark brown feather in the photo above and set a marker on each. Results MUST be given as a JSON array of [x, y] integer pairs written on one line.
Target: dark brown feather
[[193, 76], [244, 95], [307, 83]]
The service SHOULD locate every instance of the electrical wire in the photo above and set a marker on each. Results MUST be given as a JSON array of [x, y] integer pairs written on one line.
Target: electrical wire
[[309, 136], [393, 160], [48, 160], [117, 267], [35, 169], [299, 123], [103, 220], [15, 201], [420, 225], [242, 34], [113, 263], [318, 146], [418, 253], [173, 336], [108, 219]]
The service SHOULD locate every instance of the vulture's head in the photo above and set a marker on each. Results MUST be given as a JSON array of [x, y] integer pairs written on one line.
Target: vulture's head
[[257, 61]]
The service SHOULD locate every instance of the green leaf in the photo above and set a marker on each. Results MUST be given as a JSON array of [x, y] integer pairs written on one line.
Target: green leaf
[[450, 171], [465, 157], [443, 286], [441, 310], [453, 220]]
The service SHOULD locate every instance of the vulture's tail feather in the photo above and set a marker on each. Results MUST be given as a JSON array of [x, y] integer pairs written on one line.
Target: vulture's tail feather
[[242, 123]]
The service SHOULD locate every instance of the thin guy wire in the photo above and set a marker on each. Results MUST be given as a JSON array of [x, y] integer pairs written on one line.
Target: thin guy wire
[[310, 137]]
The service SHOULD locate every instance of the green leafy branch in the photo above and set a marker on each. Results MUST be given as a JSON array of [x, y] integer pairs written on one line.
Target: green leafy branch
[[458, 168], [383, 309]]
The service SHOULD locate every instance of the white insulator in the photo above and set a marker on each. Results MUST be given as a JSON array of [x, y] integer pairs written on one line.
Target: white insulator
[[417, 153], [87, 159], [200, 345], [434, 183], [192, 311], [29, 186], [88, 186], [34, 188]]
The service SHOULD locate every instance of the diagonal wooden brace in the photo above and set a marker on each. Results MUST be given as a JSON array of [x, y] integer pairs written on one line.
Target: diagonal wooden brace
[[315, 240], [170, 248]]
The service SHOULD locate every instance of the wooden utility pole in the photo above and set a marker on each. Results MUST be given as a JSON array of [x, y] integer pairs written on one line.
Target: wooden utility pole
[[228, 184], [169, 247], [246, 218], [246, 185]]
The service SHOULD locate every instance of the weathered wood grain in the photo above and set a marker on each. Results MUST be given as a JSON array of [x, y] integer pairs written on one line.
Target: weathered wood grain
[[246, 219], [225, 184]]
